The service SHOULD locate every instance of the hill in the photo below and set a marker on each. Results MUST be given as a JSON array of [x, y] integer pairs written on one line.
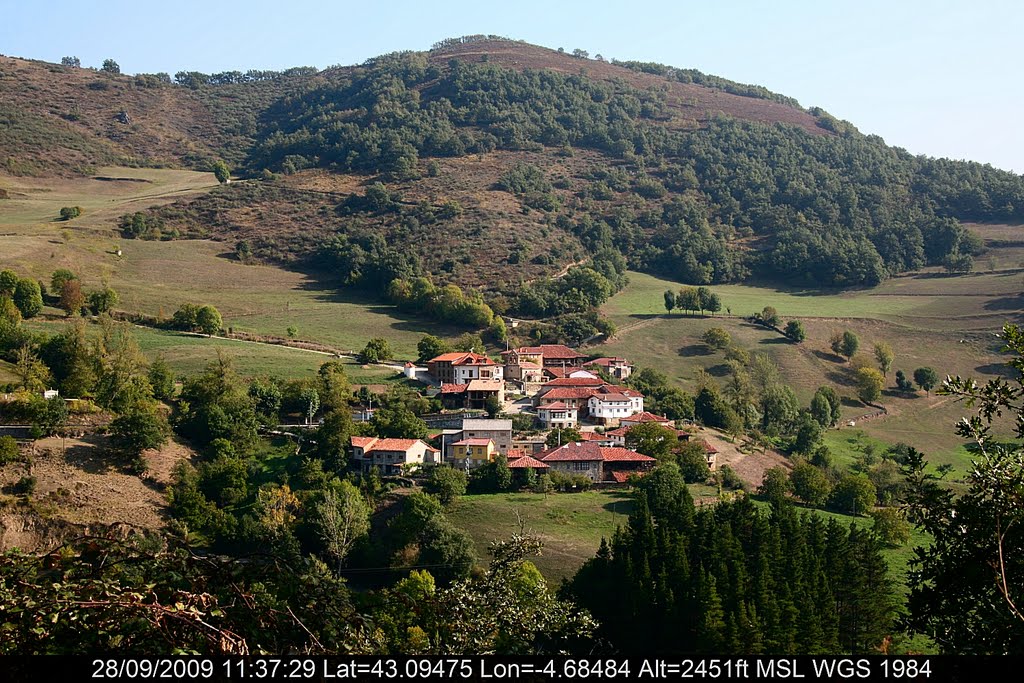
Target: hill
[[489, 163]]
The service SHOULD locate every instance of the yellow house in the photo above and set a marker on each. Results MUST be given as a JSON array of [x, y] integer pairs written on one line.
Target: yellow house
[[472, 453]]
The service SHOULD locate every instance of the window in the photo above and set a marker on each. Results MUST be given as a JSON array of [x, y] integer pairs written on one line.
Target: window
[[581, 466]]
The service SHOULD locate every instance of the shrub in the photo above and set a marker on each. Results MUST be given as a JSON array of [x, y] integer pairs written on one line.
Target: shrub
[[69, 212]]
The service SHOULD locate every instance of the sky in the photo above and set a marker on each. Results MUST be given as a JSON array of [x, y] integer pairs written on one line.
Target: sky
[[933, 77]]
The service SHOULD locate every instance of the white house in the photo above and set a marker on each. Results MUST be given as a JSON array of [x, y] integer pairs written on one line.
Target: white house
[[389, 455], [558, 414], [610, 406]]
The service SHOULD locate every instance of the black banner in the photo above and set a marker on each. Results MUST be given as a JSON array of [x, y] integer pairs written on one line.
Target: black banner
[[524, 669]]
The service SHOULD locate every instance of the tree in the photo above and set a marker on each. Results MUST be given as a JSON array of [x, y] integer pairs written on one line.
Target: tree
[[310, 401], [854, 494], [398, 422], [670, 300], [713, 303], [71, 297], [826, 407], [808, 434], [891, 526], [885, 356], [844, 344], [8, 282], [333, 386], [967, 583], [775, 484], [102, 300], [652, 439], [795, 331], [341, 519], [810, 484], [716, 338], [704, 296], [492, 405], [560, 436], [693, 462], [869, 384], [59, 278], [28, 297], [161, 379], [902, 383], [69, 212], [447, 483], [769, 317], [208, 320], [140, 429], [71, 61], [333, 438], [221, 171], [688, 299], [431, 347], [377, 350], [926, 378], [110, 67]]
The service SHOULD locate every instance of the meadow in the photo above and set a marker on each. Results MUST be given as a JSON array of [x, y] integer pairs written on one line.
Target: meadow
[[156, 277]]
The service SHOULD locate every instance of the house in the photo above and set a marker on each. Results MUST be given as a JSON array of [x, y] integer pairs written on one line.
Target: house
[[472, 453], [472, 395], [527, 375], [609, 408], [498, 431], [526, 461], [573, 382], [529, 445], [598, 463], [614, 366], [463, 367], [389, 455], [50, 393], [559, 372], [558, 415], [546, 355], [644, 416], [573, 397]]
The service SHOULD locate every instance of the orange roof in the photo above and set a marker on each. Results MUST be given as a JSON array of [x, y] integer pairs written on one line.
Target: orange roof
[[527, 461], [576, 382], [646, 417], [615, 360], [615, 454], [557, 351], [568, 392], [374, 444], [557, 405], [473, 442], [486, 385], [572, 451], [621, 476], [621, 398], [454, 388], [448, 357]]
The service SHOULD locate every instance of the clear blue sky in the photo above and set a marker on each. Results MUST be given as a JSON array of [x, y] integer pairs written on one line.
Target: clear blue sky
[[936, 77]]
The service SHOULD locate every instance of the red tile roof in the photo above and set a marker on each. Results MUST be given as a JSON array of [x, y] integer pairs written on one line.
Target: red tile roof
[[572, 451], [369, 443], [605, 362], [708, 448], [646, 417], [454, 388], [486, 385], [473, 442], [527, 461], [562, 393], [448, 357], [556, 351], [576, 382], [557, 405], [622, 398], [615, 454], [590, 451], [621, 431]]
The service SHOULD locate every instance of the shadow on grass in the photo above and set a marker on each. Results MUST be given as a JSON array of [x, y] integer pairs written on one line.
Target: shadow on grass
[[774, 340], [720, 370], [695, 350], [998, 369], [828, 357]]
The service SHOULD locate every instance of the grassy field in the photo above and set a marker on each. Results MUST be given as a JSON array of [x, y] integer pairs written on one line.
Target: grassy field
[[190, 354], [571, 524], [672, 343], [156, 277], [930, 301]]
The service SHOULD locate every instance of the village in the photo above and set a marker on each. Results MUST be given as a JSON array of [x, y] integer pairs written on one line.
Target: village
[[564, 393]]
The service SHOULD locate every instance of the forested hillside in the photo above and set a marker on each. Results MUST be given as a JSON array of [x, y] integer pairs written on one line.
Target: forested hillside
[[685, 175]]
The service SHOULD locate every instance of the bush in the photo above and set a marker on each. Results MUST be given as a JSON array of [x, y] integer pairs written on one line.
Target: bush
[[69, 212], [8, 450], [25, 486]]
